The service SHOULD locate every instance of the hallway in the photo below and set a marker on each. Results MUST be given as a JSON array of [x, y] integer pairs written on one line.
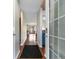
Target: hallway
[[39, 29], [30, 29], [32, 50]]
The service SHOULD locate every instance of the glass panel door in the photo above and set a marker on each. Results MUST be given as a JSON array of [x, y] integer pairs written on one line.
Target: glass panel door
[[56, 29]]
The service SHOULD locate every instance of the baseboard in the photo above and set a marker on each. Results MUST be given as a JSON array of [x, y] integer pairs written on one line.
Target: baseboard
[[45, 55], [23, 42], [39, 45], [17, 55]]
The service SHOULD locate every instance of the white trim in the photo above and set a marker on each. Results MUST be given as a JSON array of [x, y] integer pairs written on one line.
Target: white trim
[[58, 28], [57, 18], [53, 21], [45, 55], [17, 54], [39, 44], [57, 37], [61, 16], [47, 38], [22, 43]]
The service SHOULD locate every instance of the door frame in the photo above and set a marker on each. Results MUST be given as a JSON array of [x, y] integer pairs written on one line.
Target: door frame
[[20, 30], [47, 35]]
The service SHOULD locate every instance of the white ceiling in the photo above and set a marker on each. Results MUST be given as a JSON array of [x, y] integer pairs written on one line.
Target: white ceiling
[[30, 9], [30, 5], [30, 18]]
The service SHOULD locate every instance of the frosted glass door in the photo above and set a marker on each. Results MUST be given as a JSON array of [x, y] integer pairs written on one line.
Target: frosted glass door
[[61, 28], [57, 29]]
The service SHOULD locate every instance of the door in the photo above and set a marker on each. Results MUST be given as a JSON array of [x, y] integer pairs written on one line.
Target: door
[[20, 31], [57, 29]]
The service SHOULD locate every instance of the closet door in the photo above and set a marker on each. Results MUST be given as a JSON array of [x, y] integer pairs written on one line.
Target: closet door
[[53, 29], [61, 28], [57, 29]]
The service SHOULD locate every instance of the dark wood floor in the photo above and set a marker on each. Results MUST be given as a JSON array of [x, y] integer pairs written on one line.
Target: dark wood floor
[[26, 43]]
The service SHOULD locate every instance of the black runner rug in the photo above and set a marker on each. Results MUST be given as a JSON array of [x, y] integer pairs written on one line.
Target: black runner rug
[[31, 51]]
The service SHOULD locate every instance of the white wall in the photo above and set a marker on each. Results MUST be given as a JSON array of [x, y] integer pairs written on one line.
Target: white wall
[[23, 29], [23, 35], [39, 28], [16, 29], [44, 25]]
